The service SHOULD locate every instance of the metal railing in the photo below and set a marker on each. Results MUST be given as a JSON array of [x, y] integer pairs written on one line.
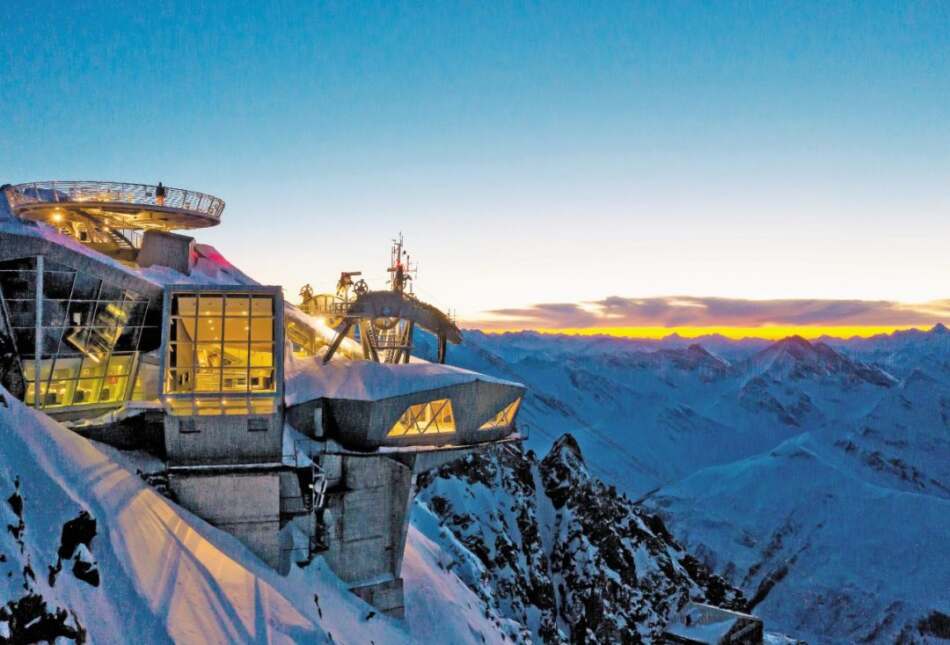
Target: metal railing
[[71, 192]]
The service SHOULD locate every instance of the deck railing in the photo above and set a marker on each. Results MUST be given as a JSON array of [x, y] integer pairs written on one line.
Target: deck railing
[[44, 192]]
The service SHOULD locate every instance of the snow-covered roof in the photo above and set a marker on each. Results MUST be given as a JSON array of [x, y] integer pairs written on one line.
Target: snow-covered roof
[[357, 380]]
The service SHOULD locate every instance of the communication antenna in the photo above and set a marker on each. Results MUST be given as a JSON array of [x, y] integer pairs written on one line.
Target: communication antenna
[[401, 270]]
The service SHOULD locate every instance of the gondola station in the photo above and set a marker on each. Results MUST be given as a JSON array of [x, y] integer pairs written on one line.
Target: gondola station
[[298, 429]]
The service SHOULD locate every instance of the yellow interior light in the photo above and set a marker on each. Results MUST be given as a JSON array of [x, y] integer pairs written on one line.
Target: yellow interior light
[[504, 418]]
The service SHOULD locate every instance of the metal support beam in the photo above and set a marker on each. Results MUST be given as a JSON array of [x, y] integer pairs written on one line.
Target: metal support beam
[[336, 342]]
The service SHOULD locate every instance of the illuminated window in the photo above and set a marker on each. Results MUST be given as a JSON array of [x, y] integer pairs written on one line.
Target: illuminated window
[[504, 418], [220, 343], [90, 330], [434, 417]]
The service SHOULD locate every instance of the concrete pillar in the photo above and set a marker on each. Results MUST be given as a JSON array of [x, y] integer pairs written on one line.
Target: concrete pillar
[[245, 503], [369, 520]]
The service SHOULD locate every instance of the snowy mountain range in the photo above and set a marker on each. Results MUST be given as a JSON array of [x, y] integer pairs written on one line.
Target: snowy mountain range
[[812, 476]]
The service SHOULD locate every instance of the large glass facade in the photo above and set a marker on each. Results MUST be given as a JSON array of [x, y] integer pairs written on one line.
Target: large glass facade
[[221, 354], [90, 333], [434, 417]]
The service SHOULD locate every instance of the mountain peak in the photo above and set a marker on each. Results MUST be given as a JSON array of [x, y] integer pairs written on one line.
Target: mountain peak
[[939, 328], [798, 358], [567, 442], [796, 348]]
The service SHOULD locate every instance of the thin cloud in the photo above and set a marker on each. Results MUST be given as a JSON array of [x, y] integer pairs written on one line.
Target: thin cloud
[[689, 311]]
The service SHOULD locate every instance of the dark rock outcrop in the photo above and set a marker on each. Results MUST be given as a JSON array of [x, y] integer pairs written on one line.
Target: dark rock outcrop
[[563, 553]]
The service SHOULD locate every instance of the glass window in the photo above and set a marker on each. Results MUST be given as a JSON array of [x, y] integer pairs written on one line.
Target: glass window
[[263, 406], [119, 365], [434, 417], [66, 368], [262, 306], [18, 285], [209, 328], [128, 340], [262, 354], [87, 391], [233, 352], [110, 292], [58, 284], [208, 354], [185, 306], [234, 355], [22, 313], [233, 380], [181, 380], [207, 380], [211, 305], [80, 313], [504, 418], [92, 367], [113, 389], [136, 311], [85, 287], [51, 338], [262, 329], [236, 329], [261, 380], [54, 312], [25, 342], [29, 370], [83, 322], [238, 306], [182, 329], [60, 393]]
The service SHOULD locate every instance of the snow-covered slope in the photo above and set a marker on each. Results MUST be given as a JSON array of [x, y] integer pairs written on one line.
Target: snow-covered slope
[[133, 562], [826, 553]]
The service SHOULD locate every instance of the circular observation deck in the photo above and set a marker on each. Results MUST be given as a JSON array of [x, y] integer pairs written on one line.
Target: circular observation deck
[[119, 205]]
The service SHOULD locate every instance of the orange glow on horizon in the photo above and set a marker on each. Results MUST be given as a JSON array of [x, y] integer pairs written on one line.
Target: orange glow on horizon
[[769, 332]]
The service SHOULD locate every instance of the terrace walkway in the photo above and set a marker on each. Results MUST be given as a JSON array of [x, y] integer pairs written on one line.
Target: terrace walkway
[[118, 205]]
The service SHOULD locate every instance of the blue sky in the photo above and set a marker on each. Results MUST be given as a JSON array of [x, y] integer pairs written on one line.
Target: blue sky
[[531, 153]]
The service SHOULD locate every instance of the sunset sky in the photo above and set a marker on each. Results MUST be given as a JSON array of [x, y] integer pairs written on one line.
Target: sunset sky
[[584, 166]]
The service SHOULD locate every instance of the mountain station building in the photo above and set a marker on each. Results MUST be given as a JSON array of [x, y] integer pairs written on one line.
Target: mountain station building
[[299, 430]]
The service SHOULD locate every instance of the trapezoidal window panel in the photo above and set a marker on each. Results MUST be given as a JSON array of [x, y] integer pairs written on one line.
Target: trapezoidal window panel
[[434, 417], [504, 418]]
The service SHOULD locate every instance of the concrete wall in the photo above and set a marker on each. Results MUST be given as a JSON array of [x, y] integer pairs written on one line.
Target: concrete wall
[[368, 521], [221, 440], [166, 249], [385, 596], [245, 504]]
